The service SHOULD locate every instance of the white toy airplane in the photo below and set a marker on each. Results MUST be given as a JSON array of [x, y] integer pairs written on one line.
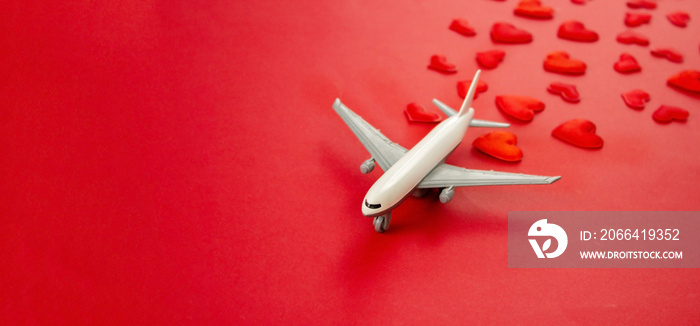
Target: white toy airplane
[[423, 166]]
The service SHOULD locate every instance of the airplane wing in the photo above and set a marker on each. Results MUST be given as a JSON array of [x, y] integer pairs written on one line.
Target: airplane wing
[[446, 175], [383, 150]]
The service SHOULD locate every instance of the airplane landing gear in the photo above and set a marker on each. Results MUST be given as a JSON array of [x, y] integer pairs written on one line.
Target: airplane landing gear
[[381, 223], [419, 193]]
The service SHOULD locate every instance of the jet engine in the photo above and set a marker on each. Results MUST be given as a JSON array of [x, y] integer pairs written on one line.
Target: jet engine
[[367, 166], [447, 194]]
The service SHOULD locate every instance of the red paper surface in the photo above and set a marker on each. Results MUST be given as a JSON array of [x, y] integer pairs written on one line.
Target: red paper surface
[[181, 163]]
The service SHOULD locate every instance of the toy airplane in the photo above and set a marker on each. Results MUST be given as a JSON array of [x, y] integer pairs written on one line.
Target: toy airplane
[[423, 167]]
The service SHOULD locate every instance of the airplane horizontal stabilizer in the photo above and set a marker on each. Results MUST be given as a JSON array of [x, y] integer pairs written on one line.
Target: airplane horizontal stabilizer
[[488, 124], [475, 122]]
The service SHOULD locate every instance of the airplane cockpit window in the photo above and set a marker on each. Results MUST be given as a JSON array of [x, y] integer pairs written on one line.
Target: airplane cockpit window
[[372, 206]]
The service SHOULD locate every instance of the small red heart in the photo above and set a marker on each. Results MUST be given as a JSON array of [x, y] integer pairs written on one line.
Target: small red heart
[[533, 9], [559, 62], [567, 91], [463, 88], [439, 63], [679, 18], [635, 19], [418, 113], [490, 59], [630, 37], [645, 4], [669, 113], [519, 107], [579, 2], [578, 132], [462, 26], [507, 33], [688, 80], [499, 144], [627, 64], [670, 54], [636, 99], [575, 31]]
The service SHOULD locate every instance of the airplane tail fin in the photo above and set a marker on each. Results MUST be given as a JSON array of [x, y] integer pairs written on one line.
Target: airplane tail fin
[[466, 106], [470, 95]]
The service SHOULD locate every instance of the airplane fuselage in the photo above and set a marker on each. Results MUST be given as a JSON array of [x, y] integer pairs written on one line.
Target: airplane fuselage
[[399, 180]]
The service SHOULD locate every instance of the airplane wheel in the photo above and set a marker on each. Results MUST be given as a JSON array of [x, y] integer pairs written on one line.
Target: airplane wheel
[[381, 223]]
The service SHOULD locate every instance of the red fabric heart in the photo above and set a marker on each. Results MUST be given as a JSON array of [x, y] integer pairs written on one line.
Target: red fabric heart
[[533, 9], [463, 88], [627, 64], [462, 26], [578, 132], [669, 113], [490, 59], [635, 19], [688, 80], [630, 37], [418, 113], [559, 62], [439, 63], [679, 18], [519, 107], [636, 99], [499, 144], [670, 54], [579, 2], [645, 4], [507, 33], [575, 31], [567, 91]]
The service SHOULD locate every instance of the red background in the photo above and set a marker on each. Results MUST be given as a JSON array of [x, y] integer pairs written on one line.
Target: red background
[[177, 163]]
